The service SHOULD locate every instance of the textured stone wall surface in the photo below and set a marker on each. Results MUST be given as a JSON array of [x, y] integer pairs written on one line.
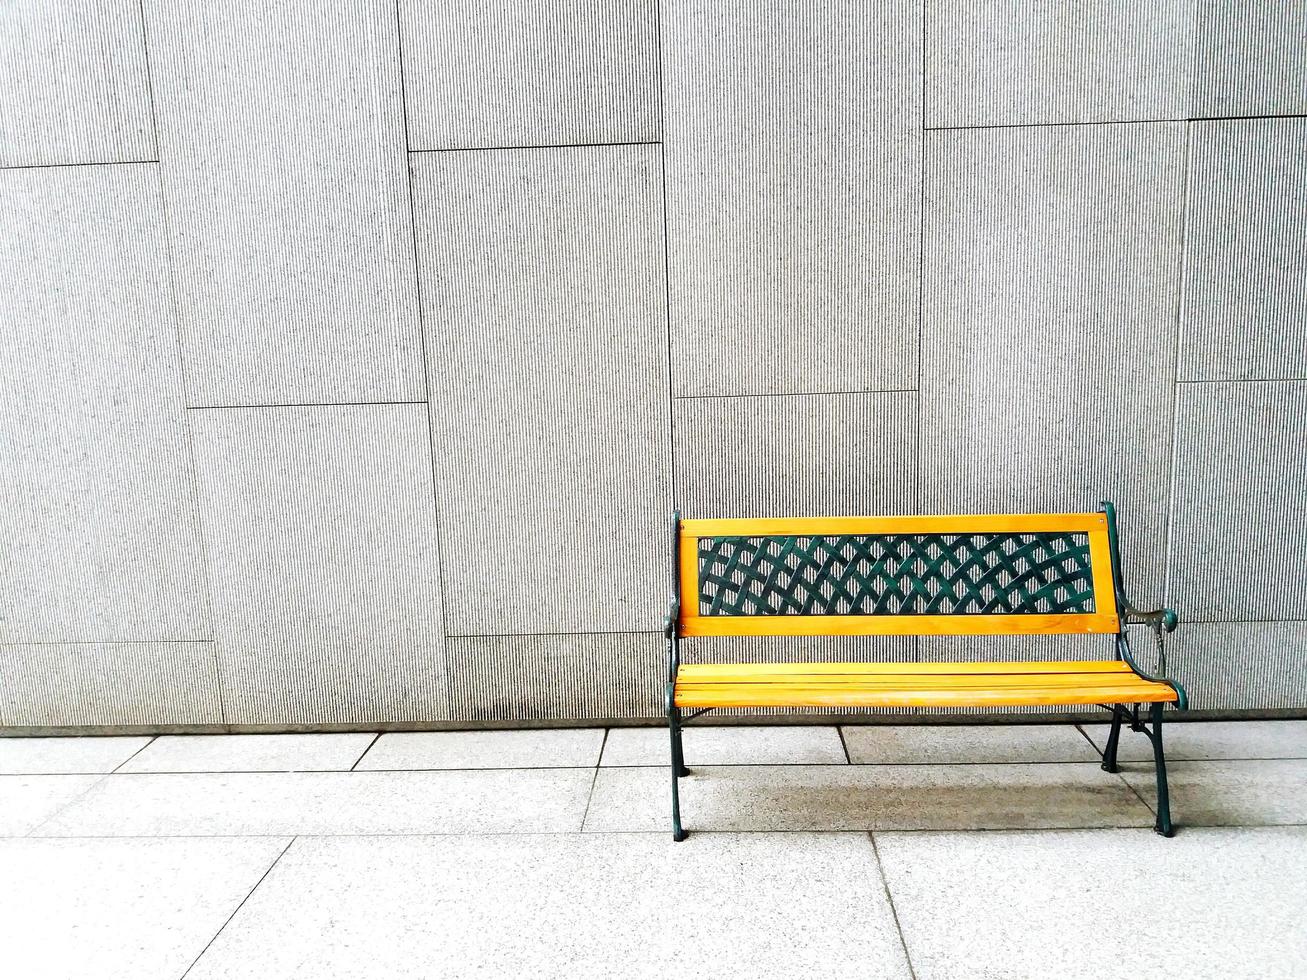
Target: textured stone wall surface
[[356, 351]]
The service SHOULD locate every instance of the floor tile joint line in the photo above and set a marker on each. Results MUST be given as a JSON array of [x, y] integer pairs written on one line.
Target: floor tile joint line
[[593, 779], [150, 741], [240, 906], [365, 752], [884, 883]]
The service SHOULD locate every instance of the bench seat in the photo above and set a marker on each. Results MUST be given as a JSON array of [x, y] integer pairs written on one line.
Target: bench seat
[[925, 685]]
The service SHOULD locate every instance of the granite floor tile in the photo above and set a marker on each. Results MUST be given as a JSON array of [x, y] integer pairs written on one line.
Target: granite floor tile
[[251, 753], [1198, 740], [966, 743], [574, 906], [67, 755], [1100, 903], [221, 804], [723, 745], [117, 909], [756, 798], [28, 801], [1248, 793], [525, 749]]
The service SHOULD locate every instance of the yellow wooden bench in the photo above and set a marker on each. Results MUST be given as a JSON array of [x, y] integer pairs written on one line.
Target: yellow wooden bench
[[925, 576]]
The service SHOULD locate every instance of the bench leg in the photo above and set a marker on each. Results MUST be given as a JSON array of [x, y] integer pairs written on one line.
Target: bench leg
[[1114, 736], [1163, 825], [678, 770]]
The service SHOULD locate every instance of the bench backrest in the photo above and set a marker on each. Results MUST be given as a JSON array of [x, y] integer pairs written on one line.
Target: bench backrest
[[952, 575]]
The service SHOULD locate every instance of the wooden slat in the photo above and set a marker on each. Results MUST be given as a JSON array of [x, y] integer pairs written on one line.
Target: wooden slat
[[697, 671], [915, 685], [796, 696], [1004, 625], [689, 583], [908, 524], [1100, 571], [797, 688]]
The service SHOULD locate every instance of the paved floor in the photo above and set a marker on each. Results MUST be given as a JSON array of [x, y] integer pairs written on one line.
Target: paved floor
[[817, 851]]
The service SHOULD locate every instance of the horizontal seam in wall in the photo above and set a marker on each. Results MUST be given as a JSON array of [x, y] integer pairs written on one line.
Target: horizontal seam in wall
[[509, 636], [805, 394], [1236, 622], [1114, 122], [71, 643], [47, 166], [205, 408], [1238, 381], [531, 146]]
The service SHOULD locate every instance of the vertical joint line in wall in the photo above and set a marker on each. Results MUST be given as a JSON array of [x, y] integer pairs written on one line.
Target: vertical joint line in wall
[[426, 373], [169, 258], [149, 82], [1173, 458], [921, 264], [667, 272]]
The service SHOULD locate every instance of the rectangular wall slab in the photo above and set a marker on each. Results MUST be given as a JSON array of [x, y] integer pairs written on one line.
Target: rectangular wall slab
[[1245, 299], [89, 684], [1235, 666], [1239, 529], [793, 138], [74, 87], [998, 63], [1048, 338], [281, 132], [789, 456], [529, 73], [1252, 58], [524, 678], [544, 305], [321, 532], [98, 533]]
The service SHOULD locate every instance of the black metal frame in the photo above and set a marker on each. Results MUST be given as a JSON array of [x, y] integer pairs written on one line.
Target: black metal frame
[[1161, 621], [671, 631]]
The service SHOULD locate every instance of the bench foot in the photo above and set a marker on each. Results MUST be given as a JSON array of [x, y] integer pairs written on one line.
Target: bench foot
[[1163, 825], [678, 765], [1113, 736]]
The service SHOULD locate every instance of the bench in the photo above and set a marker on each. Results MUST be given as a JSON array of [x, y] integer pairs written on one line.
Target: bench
[[993, 574]]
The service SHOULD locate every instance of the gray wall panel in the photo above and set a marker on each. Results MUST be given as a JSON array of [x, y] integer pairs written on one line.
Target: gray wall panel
[[74, 87], [324, 562], [1048, 336], [1238, 521], [1245, 302], [1252, 58], [288, 201], [519, 678], [1235, 666], [784, 456], [59, 684], [793, 139], [543, 299], [993, 649], [521, 73], [449, 501], [98, 535], [998, 63]]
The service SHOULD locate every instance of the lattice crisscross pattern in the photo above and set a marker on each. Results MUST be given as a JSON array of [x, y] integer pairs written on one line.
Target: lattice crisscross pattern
[[895, 574]]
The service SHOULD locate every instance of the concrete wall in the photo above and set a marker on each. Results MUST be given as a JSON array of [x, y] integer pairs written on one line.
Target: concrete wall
[[355, 352]]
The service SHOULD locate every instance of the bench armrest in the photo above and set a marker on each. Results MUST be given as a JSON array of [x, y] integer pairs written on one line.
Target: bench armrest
[[673, 641], [1165, 618]]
